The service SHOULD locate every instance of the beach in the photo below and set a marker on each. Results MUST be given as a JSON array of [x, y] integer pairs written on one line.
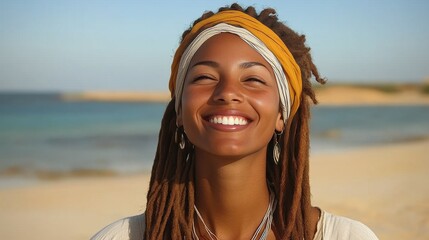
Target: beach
[[384, 186], [369, 161], [91, 92]]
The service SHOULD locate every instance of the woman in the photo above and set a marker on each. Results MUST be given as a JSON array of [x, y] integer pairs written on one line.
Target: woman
[[232, 157]]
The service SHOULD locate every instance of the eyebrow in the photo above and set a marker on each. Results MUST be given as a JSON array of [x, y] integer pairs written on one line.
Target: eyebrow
[[206, 63], [251, 64], [216, 65]]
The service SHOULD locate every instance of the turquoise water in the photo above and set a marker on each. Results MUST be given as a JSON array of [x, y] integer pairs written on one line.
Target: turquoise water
[[41, 132], [336, 128]]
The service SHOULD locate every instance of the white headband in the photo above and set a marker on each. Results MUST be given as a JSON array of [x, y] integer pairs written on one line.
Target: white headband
[[250, 39]]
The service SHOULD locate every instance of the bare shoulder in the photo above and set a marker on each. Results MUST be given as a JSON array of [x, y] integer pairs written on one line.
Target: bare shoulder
[[127, 228], [336, 227]]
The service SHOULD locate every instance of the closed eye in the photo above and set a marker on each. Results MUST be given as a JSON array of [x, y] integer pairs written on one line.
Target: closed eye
[[255, 80], [203, 79]]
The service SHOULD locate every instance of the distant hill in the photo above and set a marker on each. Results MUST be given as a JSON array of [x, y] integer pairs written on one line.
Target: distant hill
[[377, 94]]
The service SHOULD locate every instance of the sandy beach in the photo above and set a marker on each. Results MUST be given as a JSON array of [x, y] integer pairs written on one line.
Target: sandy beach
[[383, 186], [386, 187]]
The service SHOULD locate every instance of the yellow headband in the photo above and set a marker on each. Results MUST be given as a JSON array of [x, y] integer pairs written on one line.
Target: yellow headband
[[265, 34]]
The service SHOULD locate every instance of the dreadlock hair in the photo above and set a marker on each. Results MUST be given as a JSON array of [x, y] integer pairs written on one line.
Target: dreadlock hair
[[170, 199]]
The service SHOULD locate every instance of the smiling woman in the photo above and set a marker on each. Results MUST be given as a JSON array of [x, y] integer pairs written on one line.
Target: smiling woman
[[229, 87], [232, 157]]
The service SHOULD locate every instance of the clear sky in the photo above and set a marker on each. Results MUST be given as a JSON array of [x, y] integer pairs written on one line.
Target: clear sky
[[128, 45]]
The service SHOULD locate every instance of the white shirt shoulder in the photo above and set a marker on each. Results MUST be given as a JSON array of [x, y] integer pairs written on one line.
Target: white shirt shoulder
[[332, 227], [130, 228], [329, 227]]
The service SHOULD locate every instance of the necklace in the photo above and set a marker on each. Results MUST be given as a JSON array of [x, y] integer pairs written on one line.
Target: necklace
[[266, 221]]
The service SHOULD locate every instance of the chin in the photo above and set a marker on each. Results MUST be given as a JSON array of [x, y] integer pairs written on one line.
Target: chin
[[228, 151]]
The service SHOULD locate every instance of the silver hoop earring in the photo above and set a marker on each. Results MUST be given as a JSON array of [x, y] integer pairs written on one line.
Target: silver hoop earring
[[276, 148], [182, 142]]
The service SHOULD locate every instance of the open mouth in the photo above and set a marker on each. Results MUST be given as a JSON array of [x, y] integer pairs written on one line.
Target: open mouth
[[228, 120]]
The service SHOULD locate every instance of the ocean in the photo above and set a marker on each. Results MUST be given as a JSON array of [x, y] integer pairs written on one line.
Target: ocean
[[41, 132]]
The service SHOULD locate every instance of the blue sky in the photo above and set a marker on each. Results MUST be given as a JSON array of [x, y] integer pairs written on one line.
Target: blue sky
[[128, 45]]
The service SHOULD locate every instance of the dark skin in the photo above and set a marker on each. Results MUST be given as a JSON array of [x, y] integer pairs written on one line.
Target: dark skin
[[230, 111]]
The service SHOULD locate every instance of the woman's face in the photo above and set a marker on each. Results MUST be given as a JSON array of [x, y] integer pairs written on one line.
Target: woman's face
[[230, 101]]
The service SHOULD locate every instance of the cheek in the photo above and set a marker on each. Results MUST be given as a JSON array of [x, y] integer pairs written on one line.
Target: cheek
[[191, 102], [268, 104]]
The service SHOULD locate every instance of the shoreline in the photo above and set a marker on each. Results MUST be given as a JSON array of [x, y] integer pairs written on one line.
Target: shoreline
[[381, 186], [22, 175]]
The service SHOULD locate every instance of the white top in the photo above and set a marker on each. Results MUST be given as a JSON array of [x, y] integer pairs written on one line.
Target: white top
[[329, 227], [332, 227]]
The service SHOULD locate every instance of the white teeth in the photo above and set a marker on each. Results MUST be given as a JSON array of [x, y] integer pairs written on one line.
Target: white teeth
[[228, 120]]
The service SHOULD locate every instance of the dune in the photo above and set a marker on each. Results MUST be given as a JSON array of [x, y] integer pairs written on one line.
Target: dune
[[355, 95]]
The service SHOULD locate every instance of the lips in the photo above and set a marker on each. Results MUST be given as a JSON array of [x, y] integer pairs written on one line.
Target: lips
[[228, 120]]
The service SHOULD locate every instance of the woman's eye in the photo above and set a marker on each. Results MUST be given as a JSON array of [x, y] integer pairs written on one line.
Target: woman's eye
[[203, 79], [255, 80]]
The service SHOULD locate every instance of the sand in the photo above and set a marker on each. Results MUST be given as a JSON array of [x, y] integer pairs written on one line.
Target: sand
[[386, 187], [70, 208]]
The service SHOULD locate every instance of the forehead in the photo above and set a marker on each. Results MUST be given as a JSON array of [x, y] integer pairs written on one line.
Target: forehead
[[225, 47]]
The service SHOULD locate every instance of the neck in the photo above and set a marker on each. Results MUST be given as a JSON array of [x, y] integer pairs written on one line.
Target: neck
[[231, 194]]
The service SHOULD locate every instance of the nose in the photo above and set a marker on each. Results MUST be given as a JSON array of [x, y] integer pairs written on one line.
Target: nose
[[228, 90]]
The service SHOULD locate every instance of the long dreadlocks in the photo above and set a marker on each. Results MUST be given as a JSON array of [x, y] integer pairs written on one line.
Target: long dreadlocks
[[170, 200]]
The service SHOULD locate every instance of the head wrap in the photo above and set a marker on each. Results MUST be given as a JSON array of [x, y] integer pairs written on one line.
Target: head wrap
[[258, 36]]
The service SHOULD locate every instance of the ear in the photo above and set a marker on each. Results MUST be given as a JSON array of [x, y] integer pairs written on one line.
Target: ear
[[280, 123]]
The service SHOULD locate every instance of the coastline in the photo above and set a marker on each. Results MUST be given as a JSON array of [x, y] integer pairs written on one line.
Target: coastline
[[335, 95], [116, 96], [381, 186], [343, 95]]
